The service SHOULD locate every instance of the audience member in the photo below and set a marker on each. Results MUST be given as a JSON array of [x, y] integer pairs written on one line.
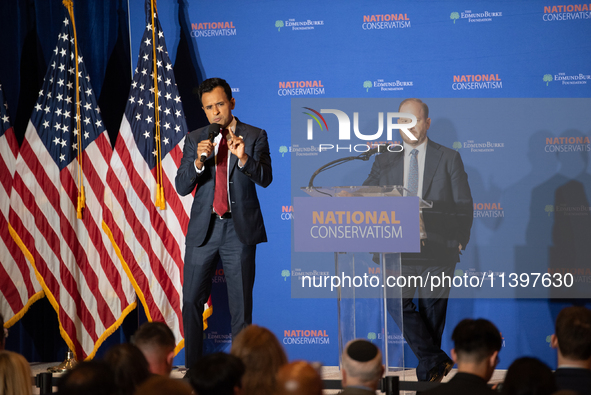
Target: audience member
[[528, 376], [160, 385], [298, 378], [217, 374], [262, 355], [572, 339], [15, 374], [88, 378], [476, 352], [156, 341], [129, 366], [362, 368]]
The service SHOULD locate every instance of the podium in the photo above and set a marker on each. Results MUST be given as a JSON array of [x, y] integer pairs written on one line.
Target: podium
[[367, 237]]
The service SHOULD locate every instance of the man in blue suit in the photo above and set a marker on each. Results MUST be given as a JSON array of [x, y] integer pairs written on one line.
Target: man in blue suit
[[434, 173], [226, 221]]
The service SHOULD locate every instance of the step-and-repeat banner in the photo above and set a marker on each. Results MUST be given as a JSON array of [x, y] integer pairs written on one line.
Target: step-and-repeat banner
[[508, 87]]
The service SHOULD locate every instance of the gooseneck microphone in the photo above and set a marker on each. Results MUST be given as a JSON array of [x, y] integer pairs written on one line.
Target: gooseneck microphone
[[213, 131]]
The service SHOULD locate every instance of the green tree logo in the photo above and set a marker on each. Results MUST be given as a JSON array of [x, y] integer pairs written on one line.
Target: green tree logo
[[458, 273], [547, 78], [549, 340], [282, 150], [279, 24], [367, 85], [457, 145], [371, 336], [285, 274], [549, 209], [454, 16]]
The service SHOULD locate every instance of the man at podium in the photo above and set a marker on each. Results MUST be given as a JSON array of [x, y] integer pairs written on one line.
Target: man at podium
[[434, 173]]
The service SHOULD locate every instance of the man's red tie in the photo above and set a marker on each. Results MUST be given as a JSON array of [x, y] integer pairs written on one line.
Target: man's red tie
[[220, 198]]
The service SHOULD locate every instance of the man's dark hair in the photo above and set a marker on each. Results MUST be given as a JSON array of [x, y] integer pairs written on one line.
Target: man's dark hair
[[154, 334], [216, 374], [528, 376], [573, 332], [477, 339], [212, 83], [129, 366], [88, 378]]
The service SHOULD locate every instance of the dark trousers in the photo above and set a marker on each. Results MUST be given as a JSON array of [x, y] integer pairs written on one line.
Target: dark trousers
[[423, 328], [238, 261]]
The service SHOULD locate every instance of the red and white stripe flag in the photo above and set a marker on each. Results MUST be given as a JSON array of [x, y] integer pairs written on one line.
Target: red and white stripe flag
[[148, 219], [67, 147], [18, 284]]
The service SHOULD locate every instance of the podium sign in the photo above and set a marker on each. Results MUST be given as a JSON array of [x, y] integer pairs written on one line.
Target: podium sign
[[354, 224]]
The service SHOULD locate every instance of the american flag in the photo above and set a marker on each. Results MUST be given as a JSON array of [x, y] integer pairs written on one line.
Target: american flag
[[18, 284], [151, 240], [74, 259]]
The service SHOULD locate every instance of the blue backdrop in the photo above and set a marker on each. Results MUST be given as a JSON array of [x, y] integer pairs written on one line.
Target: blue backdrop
[[508, 84]]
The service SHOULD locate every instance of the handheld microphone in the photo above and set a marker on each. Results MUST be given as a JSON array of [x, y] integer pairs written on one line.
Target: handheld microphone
[[214, 130]]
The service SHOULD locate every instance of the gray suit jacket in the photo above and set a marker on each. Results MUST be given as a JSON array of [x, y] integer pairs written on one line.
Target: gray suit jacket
[[245, 207], [445, 183]]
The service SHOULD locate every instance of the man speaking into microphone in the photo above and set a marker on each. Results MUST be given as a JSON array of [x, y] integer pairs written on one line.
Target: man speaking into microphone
[[222, 163]]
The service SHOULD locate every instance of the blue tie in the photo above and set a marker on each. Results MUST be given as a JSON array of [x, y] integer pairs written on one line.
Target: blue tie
[[413, 174]]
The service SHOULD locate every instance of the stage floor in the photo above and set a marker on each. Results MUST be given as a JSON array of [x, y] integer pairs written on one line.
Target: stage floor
[[328, 373]]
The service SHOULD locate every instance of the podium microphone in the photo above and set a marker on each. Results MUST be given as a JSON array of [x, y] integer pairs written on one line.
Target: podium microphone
[[214, 130]]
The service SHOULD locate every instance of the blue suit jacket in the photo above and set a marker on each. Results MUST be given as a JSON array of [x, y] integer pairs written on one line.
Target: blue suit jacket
[[445, 183], [244, 203]]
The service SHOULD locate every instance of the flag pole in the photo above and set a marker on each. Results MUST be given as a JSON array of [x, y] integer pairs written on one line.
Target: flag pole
[[160, 199], [69, 4]]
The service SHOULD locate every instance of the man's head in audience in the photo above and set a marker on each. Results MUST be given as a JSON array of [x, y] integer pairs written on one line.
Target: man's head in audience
[[2, 333], [160, 385], [217, 374], [298, 378], [88, 378], [156, 341], [362, 365], [476, 347], [572, 337]]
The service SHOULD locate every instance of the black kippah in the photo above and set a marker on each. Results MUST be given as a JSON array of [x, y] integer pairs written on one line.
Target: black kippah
[[362, 351]]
